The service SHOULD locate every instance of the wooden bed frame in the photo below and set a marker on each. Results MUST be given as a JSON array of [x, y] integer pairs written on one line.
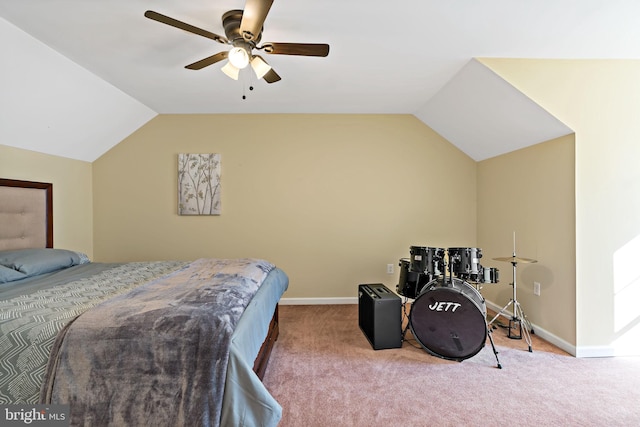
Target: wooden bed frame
[[26, 221], [260, 365]]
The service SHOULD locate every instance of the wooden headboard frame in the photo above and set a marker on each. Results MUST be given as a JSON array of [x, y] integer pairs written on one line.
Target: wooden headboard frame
[[26, 214]]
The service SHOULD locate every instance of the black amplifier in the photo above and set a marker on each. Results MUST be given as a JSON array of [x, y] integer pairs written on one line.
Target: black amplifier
[[379, 316]]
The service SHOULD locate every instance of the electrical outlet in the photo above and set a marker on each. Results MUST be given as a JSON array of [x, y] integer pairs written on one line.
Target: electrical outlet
[[536, 288], [389, 268]]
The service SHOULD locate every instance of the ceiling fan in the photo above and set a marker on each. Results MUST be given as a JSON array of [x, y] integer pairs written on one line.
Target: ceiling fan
[[243, 30]]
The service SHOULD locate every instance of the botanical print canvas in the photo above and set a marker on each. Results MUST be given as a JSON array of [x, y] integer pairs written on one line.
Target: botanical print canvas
[[199, 184]]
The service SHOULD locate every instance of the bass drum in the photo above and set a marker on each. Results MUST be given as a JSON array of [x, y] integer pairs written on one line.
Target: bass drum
[[448, 319]]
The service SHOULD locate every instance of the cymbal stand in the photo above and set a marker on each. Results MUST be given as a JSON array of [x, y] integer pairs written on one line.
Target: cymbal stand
[[518, 317]]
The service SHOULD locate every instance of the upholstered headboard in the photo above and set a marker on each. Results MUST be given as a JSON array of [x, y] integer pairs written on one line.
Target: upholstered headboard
[[26, 214]]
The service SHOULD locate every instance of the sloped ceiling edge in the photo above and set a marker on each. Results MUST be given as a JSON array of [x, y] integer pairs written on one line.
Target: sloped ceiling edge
[[485, 116], [53, 106]]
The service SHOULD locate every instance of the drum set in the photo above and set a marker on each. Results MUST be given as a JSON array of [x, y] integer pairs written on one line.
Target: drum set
[[448, 316]]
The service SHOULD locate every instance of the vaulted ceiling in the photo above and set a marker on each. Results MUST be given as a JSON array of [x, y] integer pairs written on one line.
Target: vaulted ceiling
[[79, 76]]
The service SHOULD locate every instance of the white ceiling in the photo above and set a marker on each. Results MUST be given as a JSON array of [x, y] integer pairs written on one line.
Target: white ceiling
[[89, 73]]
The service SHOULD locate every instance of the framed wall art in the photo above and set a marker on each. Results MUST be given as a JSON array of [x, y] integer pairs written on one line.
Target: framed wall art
[[198, 184]]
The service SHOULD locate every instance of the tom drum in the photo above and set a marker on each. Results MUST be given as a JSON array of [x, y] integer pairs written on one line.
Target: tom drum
[[426, 260], [465, 263], [490, 275]]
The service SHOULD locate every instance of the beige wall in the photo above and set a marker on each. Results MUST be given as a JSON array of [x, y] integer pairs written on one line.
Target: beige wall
[[600, 101], [72, 192], [332, 199], [531, 192]]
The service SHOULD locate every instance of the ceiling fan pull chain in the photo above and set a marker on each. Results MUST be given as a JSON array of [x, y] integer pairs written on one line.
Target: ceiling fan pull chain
[[250, 73], [244, 83], [246, 76]]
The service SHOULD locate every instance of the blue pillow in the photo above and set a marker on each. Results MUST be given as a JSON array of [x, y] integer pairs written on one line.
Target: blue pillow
[[32, 262], [9, 274]]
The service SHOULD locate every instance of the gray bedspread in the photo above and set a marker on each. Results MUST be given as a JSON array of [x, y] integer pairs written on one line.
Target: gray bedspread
[[158, 354], [33, 311]]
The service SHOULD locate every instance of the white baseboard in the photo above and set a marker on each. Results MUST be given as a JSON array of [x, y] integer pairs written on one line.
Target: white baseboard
[[608, 351], [593, 351]]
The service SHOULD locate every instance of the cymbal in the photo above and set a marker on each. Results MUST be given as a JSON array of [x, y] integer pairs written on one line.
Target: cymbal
[[513, 259]]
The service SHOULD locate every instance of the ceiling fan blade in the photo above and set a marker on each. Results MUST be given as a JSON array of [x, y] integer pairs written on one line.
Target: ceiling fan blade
[[253, 16], [302, 49], [198, 65], [184, 26], [272, 77]]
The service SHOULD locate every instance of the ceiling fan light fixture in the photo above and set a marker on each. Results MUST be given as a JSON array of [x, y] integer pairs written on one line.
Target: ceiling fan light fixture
[[243, 30], [239, 57], [231, 71], [260, 67]]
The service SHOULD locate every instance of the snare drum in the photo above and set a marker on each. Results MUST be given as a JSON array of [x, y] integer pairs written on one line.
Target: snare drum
[[448, 319], [410, 283], [408, 280], [465, 263]]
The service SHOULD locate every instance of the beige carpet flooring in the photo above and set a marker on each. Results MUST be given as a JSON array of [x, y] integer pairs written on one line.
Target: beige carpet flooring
[[324, 372]]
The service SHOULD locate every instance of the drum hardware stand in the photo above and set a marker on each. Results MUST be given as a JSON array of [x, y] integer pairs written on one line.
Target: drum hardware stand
[[493, 345], [405, 315], [478, 286], [518, 317]]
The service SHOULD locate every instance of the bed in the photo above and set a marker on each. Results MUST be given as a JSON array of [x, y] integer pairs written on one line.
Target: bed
[[164, 342]]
